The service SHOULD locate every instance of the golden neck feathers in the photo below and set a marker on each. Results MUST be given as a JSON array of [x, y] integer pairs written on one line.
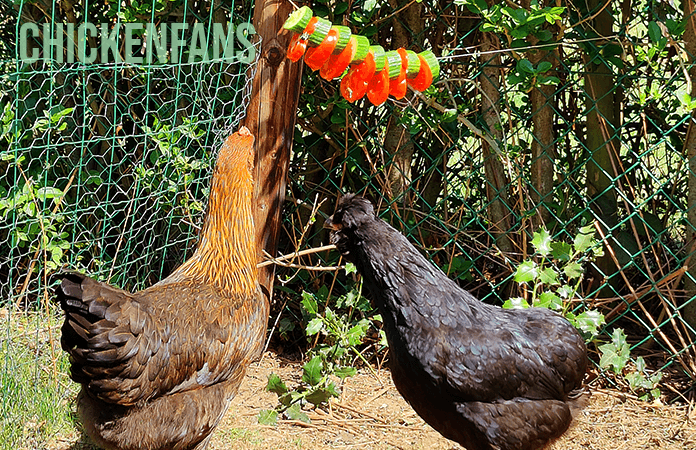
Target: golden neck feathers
[[226, 255]]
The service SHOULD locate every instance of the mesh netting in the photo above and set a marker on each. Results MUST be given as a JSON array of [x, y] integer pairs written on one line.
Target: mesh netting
[[104, 168]]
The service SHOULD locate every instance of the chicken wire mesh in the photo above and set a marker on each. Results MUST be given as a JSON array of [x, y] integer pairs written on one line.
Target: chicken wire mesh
[[104, 168]]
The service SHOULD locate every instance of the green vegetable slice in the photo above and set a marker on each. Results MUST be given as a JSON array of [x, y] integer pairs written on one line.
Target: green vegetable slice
[[363, 46], [321, 29], [394, 61], [413, 64], [344, 34], [380, 57], [298, 19], [430, 58]]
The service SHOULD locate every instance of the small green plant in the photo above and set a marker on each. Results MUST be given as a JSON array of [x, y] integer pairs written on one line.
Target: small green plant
[[616, 356], [343, 327], [342, 332], [552, 281], [553, 278], [316, 388]]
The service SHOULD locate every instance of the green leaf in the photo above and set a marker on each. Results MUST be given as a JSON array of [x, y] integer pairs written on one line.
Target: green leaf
[[616, 353], [573, 270], [318, 396], [543, 35], [589, 321], [550, 300], [584, 239], [544, 66], [549, 277], [314, 326], [654, 32], [527, 271], [449, 115], [565, 291], [56, 117], [345, 372], [560, 251], [294, 412], [487, 27], [549, 80], [542, 242], [268, 417], [340, 8], [312, 371], [276, 385], [338, 117], [523, 65], [369, 5], [309, 303], [515, 303], [356, 333], [333, 390], [48, 192], [350, 268]]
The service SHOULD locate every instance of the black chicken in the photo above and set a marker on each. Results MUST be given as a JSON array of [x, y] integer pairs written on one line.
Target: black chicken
[[486, 377]]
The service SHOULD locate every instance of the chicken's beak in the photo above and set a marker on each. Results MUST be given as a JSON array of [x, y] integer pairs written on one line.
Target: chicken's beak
[[329, 224]]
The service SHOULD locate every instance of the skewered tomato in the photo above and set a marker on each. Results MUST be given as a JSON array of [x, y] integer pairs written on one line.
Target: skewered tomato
[[296, 48], [337, 64], [374, 71], [378, 87], [357, 79], [317, 56], [298, 43], [424, 78], [397, 86]]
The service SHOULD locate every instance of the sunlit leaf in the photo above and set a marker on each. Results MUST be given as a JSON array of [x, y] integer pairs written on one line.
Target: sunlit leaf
[[542, 242], [526, 272], [276, 385], [515, 303], [573, 270], [311, 371], [268, 417]]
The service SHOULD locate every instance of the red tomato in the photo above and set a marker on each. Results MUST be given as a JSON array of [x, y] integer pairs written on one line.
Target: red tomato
[[317, 56], [355, 82], [366, 69], [378, 88], [424, 78], [397, 86], [346, 88], [296, 48], [298, 43], [337, 64]]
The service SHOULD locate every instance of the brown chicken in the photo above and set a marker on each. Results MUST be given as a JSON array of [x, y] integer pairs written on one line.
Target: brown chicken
[[159, 367], [486, 377]]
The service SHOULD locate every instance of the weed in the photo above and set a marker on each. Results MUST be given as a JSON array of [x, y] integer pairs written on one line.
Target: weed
[[552, 279], [343, 327], [616, 356]]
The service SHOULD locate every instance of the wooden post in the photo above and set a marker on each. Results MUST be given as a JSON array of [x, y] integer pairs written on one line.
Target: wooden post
[[271, 119]]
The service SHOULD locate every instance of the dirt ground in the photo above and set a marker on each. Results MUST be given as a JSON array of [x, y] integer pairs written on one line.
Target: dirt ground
[[371, 414]]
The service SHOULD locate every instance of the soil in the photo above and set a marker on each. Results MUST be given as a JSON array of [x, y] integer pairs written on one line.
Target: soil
[[371, 414]]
